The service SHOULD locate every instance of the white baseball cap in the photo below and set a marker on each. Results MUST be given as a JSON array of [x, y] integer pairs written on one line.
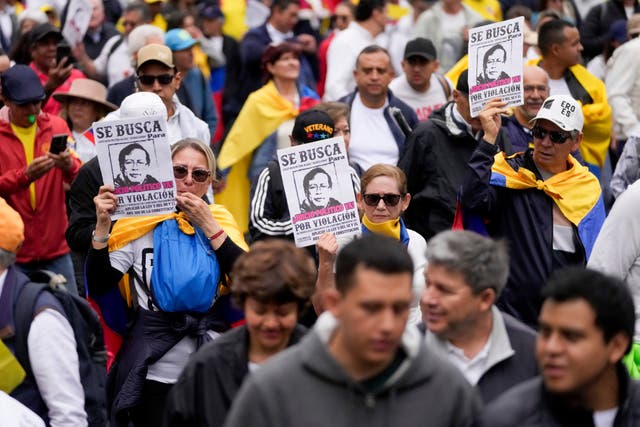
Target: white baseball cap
[[562, 110]]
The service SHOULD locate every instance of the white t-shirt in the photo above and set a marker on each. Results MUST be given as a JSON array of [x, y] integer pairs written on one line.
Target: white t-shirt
[[139, 254], [15, 414], [116, 66], [472, 369], [558, 87], [605, 418], [371, 139], [423, 103]]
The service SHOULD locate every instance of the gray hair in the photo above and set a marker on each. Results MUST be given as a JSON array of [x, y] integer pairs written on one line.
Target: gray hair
[[139, 35], [482, 261], [7, 259]]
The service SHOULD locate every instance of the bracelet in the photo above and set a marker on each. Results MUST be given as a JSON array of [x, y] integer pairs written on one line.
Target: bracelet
[[215, 236], [103, 239]]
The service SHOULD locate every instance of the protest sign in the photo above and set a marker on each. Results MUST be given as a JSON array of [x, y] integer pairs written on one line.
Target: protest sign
[[317, 182], [495, 63], [135, 158], [77, 21]]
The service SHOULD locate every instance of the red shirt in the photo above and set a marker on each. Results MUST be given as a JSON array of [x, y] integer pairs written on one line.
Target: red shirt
[[52, 106]]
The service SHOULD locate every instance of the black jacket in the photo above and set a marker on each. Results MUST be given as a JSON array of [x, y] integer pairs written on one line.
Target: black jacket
[[595, 28], [435, 162], [205, 390], [531, 405]]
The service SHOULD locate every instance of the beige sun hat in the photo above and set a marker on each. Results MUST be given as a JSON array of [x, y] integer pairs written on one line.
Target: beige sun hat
[[88, 89]]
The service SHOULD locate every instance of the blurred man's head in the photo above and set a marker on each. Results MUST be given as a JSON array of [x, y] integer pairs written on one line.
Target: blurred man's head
[[371, 303], [464, 277], [373, 74], [536, 90], [134, 15], [284, 14], [586, 326], [419, 63], [559, 41], [181, 44], [343, 15], [461, 99]]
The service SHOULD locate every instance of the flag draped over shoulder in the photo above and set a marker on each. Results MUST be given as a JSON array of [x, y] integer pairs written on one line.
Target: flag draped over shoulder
[[576, 192], [260, 116]]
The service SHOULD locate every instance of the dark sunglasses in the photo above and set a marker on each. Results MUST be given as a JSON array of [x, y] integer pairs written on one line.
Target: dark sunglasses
[[374, 199], [148, 79], [556, 136], [198, 175]]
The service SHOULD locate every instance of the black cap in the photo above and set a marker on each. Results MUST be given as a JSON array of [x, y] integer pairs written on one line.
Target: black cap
[[209, 10], [421, 47], [41, 31], [463, 82], [20, 85], [312, 125]]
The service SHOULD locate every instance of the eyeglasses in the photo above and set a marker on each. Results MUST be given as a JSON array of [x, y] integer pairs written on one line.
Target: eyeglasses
[[556, 136], [341, 17], [198, 175], [374, 199], [148, 79]]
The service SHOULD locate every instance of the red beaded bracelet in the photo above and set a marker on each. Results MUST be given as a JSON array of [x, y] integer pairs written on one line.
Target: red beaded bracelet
[[215, 236]]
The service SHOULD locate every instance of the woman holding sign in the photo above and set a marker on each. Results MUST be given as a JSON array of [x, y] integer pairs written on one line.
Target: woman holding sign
[[382, 199], [176, 263], [263, 125]]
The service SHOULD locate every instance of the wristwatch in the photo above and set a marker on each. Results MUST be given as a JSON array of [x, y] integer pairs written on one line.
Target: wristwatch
[[103, 239]]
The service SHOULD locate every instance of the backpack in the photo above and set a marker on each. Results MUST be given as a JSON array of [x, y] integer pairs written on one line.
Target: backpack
[[85, 323]]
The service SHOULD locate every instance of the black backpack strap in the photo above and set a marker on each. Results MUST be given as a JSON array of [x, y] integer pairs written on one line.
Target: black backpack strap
[[445, 86], [23, 310], [114, 47]]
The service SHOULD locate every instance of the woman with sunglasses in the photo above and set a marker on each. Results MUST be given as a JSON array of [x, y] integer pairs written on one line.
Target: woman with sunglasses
[[263, 125], [176, 264], [272, 283], [382, 199]]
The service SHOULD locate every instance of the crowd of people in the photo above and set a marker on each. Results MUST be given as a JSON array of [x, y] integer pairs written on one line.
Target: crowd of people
[[495, 278]]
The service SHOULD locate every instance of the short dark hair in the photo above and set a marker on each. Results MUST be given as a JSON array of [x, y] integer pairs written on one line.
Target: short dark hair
[[372, 48], [283, 4], [365, 9], [608, 296], [274, 270], [128, 149], [490, 51], [551, 33], [141, 8], [372, 251], [311, 174]]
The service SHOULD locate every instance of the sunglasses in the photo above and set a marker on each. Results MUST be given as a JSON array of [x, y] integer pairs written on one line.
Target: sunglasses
[[198, 175], [148, 79], [374, 199], [556, 136]]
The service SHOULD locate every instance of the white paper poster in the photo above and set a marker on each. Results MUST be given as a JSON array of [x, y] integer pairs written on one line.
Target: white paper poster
[[135, 158], [495, 63], [317, 182], [77, 22]]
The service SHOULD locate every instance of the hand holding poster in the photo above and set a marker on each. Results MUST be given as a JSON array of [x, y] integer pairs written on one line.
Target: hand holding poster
[[135, 158], [495, 64], [317, 183]]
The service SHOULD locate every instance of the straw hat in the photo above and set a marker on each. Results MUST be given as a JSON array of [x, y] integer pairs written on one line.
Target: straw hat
[[88, 89]]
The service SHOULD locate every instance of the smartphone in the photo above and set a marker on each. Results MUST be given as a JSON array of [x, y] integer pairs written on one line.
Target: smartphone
[[64, 51], [58, 144]]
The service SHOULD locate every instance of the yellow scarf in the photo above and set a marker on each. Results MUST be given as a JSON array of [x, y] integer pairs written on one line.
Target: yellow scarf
[[389, 228], [576, 190], [127, 230]]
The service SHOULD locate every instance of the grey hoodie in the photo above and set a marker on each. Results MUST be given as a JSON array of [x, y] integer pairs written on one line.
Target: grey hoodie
[[305, 386]]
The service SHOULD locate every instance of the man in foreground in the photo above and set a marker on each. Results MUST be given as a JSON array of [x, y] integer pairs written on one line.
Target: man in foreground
[[359, 366]]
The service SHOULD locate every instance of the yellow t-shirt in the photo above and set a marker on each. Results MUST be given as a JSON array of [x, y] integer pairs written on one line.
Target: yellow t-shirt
[[28, 138]]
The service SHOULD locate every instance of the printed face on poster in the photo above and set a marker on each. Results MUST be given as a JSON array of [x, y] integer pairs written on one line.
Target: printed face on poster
[[317, 183], [495, 64], [135, 158]]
